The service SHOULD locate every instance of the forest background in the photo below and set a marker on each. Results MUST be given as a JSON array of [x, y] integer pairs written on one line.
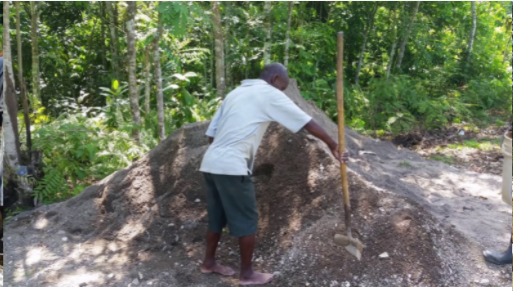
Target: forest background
[[95, 85]]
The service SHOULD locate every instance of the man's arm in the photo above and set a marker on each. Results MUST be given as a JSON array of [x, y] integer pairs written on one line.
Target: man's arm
[[316, 130], [282, 110], [212, 128]]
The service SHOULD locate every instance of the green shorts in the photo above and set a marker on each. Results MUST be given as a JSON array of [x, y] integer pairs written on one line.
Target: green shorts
[[231, 200]]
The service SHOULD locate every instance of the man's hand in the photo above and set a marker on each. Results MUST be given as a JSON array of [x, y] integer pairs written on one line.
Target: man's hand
[[314, 129], [344, 158]]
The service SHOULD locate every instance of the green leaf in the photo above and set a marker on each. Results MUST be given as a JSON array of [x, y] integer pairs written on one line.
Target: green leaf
[[80, 152], [172, 86], [190, 74], [115, 85], [92, 151], [80, 174], [180, 77]]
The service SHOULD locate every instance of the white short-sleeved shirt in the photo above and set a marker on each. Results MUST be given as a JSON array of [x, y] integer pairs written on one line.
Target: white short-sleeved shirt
[[239, 125]]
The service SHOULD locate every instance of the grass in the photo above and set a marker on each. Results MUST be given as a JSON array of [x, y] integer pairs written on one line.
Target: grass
[[451, 160], [405, 164], [486, 144], [9, 213]]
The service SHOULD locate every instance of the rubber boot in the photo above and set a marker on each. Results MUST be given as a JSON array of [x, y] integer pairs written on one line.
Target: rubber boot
[[497, 257]]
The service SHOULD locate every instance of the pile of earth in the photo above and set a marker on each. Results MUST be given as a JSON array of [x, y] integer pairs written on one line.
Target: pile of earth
[[145, 225]]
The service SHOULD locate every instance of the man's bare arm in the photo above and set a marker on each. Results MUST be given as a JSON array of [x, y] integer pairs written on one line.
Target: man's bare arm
[[210, 140], [316, 130]]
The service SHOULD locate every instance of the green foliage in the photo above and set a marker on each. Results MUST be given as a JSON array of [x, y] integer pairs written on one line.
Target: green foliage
[[451, 160], [117, 107], [482, 144], [177, 15], [405, 164], [10, 213], [80, 149], [84, 124], [49, 188]]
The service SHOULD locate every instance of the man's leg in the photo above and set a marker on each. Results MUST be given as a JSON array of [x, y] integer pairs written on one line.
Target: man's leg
[[238, 197], [216, 222], [247, 275], [209, 263]]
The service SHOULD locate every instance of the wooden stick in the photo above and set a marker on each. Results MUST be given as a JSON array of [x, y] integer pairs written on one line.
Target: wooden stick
[[340, 108]]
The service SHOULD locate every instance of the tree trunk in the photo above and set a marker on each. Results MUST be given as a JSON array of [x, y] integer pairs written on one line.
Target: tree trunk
[[267, 27], [114, 48], [11, 149], [132, 78], [246, 56], [394, 45], [219, 49], [147, 88], [212, 57], [158, 79], [287, 36], [473, 32], [10, 124], [205, 71], [36, 91], [23, 89], [227, 54], [102, 37], [370, 24], [406, 36]]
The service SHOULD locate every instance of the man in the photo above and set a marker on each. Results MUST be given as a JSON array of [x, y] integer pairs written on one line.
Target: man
[[235, 134], [497, 257]]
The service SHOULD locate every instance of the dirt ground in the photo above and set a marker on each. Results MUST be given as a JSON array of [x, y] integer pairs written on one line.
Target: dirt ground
[[449, 145], [145, 225]]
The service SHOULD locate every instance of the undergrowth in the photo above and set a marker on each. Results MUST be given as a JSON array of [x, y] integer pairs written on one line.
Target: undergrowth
[[84, 145]]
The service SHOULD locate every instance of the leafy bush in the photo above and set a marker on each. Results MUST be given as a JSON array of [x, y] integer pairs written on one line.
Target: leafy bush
[[86, 144]]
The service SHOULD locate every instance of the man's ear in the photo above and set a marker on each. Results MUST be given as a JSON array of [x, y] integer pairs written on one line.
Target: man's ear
[[274, 79]]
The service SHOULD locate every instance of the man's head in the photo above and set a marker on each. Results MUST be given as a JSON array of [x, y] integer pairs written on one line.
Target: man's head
[[276, 75]]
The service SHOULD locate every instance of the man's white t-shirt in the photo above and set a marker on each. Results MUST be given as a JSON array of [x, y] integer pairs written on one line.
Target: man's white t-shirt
[[239, 125]]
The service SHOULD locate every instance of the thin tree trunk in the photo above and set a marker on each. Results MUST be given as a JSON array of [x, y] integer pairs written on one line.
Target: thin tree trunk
[[102, 40], [473, 32], [132, 78], [212, 57], [114, 48], [10, 124], [394, 45], [246, 56], [287, 36], [11, 149], [147, 88], [36, 91], [370, 24], [406, 36], [22, 82], [158, 79], [205, 72], [267, 27], [219, 50], [227, 54]]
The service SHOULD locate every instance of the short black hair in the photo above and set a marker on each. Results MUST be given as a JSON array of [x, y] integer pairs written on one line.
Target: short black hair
[[271, 70]]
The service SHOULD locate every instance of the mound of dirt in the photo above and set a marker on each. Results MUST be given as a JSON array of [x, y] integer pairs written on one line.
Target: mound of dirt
[[145, 225]]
